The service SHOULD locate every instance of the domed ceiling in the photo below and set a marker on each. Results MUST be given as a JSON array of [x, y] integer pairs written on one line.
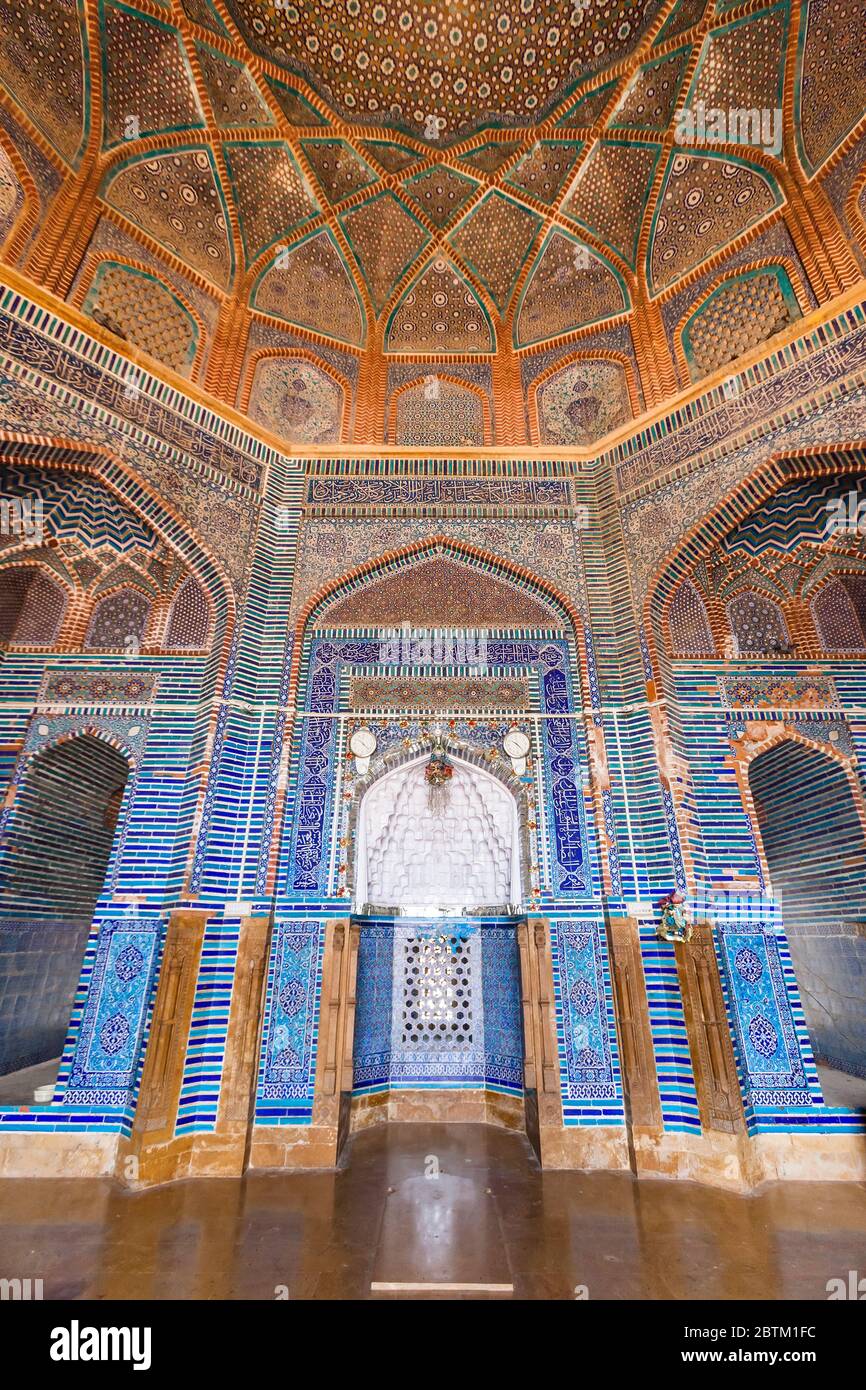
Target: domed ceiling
[[298, 204], [443, 71]]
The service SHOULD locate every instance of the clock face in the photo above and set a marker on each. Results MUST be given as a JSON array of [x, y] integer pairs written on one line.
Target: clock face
[[362, 743], [516, 743]]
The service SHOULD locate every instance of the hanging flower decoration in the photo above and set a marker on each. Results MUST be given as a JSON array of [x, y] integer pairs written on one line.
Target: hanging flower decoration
[[438, 771], [674, 924]]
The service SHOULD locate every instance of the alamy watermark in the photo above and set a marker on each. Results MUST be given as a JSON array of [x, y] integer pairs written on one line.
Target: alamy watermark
[[21, 517], [846, 515], [853, 1287], [21, 1290], [703, 125]]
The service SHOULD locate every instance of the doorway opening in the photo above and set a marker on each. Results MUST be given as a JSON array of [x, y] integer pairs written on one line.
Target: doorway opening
[[813, 840], [53, 867]]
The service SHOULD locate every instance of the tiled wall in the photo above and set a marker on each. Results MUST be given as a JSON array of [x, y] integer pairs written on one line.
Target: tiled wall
[[223, 816]]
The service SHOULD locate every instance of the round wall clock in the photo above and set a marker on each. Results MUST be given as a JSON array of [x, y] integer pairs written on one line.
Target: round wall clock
[[516, 743], [363, 743]]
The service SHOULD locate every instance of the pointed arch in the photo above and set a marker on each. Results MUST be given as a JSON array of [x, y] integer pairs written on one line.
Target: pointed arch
[[539, 384], [439, 311], [397, 561], [563, 612], [793, 303], [689, 631], [490, 868], [805, 802], [33, 602], [475, 393], [257, 368], [771, 476], [146, 335], [758, 624], [838, 620], [21, 222], [570, 286], [150, 189], [681, 236], [310, 285], [56, 855], [118, 619], [189, 618]]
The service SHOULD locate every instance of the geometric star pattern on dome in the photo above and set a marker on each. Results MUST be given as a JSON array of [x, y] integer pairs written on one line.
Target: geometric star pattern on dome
[[176, 199], [141, 310], [202, 12], [687, 14], [609, 195], [741, 66], [42, 65], [568, 287], [439, 312], [234, 97], [147, 78], [439, 193], [271, 194], [587, 109], [386, 240], [11, 194], [494, 241], [181, 70], [392, 157], [295, 108], [313, 290], [706, 201], [338, 169], [489, 159], [650, 98], [467, 64], [832, 89], [543, 171]]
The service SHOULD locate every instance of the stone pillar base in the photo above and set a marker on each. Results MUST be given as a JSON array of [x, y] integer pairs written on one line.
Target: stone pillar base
[[437, 1107], [733, 1162], [58, 1155], [294, 1146], [585, 1147], [741, 1164]]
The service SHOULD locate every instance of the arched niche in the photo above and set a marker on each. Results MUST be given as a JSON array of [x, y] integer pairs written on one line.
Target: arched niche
[[809, 820], [54, 861], [420, 854]]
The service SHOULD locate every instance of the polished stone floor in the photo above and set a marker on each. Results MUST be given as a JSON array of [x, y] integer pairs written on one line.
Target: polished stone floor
[[491, 1221]]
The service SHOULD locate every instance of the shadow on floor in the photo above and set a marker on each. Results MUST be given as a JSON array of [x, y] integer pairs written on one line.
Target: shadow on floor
[[20, 1087], [490, 1218], [841, 1088]]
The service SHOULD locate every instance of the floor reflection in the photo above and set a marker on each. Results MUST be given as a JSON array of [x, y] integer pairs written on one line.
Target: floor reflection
[[431, 1205]]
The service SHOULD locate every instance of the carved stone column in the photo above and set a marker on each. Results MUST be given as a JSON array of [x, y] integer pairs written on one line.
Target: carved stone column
[[337, 1030], [635, 1034], [317, 1145], [541, 1060], [156, 1111], [712, 1052], [234, 1115]]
